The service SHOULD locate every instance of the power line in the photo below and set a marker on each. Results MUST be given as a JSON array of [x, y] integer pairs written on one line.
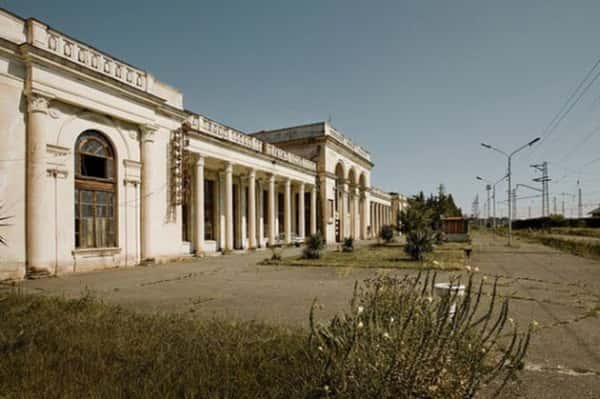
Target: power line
[[569, 104], [591, 134]]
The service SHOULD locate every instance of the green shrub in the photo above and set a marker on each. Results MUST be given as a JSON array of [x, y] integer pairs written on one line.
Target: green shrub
[[418, 243], [313, 246], [276, 253], [348, 245], [397, 341], [386, 234]]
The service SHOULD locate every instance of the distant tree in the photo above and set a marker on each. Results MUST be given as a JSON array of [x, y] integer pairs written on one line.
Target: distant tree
[[435, 207]]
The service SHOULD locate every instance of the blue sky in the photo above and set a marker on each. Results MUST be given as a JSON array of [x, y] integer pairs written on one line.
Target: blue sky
[[418, 83]]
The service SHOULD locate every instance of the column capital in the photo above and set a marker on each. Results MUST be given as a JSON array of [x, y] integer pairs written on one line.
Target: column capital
[[147, 132], [301, 185], [37, 103], [287, 181], [199, 160], [271, 178], [228, 167], [252, 173]]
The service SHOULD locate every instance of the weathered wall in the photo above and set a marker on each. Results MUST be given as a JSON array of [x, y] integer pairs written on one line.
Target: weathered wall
[[12, 166]]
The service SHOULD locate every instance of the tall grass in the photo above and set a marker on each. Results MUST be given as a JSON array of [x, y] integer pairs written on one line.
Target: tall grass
[[398, 341], [395, 341], [579, 247]]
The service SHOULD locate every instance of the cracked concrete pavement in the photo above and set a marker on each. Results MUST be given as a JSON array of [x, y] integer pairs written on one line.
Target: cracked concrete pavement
[[560, 291]]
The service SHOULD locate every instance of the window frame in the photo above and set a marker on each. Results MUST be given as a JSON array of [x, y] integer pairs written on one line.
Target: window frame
[[95, 184]]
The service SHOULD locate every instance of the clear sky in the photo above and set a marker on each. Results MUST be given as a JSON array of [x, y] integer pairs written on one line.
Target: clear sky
[[418, 83]]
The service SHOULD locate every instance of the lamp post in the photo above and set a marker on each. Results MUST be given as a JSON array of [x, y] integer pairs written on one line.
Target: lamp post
[[493, 195], [508, 174]]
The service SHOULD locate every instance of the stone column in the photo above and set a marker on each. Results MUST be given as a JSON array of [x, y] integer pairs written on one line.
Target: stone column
[[271, 216], [199, 201], [377, 220], [344, 211], [356, 214], [325, 213], [41, 236], [149, 220], [260, 216], [252, 209], [301, 212], [228, 206], [313, 210], [364, 215], [287, 211]]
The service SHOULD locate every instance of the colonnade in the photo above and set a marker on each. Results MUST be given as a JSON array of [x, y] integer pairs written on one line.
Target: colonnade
[[254, 229], [381, 215], [352, 210]]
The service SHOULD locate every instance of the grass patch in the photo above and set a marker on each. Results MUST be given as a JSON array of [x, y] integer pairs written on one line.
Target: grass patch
[[578, 232], [579, 247], [56, 348], [445, 257], [395, 340]]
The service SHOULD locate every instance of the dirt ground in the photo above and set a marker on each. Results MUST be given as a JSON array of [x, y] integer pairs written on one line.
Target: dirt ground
[[558, 290]]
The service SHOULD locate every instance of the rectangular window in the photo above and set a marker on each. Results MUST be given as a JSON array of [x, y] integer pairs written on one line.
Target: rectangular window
[[94, 219]]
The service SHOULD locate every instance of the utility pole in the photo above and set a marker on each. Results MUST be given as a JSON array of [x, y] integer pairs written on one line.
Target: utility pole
[[543, 168], [475, 208], [554, 205], [529, 212], [488, 188], [514, 204], [493, 195], [509, 175], [579, 203], [563, 208]]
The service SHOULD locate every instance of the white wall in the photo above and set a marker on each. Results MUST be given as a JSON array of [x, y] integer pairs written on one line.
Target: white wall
[[12, 166]]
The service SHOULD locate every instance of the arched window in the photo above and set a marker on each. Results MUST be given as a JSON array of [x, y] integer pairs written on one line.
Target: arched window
[[95, 193]]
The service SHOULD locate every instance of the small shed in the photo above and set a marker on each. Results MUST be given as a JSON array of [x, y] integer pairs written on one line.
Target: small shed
[[456, 228]]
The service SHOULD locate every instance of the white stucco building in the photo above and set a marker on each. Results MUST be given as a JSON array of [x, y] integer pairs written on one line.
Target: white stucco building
[[102, 166]]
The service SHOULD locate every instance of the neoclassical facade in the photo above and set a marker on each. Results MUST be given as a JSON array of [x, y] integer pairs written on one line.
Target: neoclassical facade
[[101, 166]]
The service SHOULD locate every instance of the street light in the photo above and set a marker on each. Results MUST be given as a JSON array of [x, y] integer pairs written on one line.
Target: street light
[[509, 158], [493, 194]]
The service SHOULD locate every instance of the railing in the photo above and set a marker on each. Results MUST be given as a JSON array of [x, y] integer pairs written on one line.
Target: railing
[[348, 143], [380, 193], [89, 57], [215, 129]]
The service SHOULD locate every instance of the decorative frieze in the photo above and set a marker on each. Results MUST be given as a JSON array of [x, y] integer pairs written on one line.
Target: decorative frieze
[[215, 129], [87, 56], [339, 137]]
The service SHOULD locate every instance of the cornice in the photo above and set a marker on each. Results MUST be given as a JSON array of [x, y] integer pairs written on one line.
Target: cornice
[[254, 153], [350, 154], [32, 55]]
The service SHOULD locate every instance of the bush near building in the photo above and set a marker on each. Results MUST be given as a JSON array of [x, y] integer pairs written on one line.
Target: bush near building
[[386, 234], [313, 247]]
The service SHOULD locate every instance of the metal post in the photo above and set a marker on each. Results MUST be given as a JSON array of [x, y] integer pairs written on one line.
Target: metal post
[[509, 175], [509, 202], [488, 187], [494, 205]]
